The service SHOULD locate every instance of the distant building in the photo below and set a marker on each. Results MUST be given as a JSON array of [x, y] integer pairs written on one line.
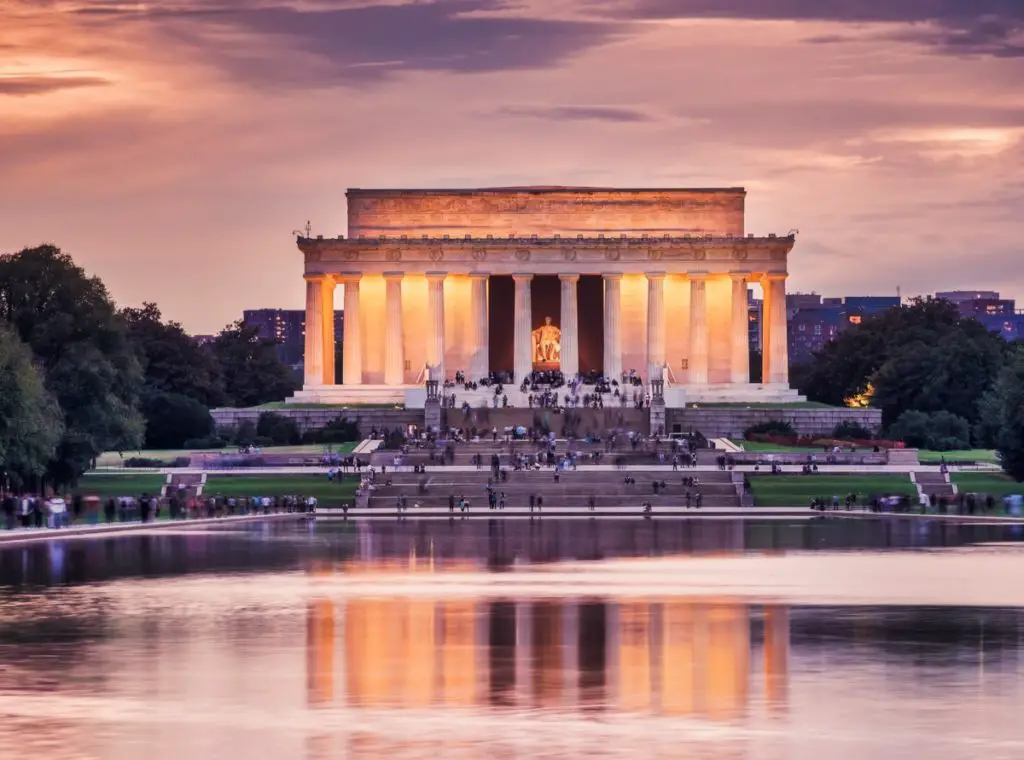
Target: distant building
[[988, 307], [814, 321], [287, 328], [960, 296]]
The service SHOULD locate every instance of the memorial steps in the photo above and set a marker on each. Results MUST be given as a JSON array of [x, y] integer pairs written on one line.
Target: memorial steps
[[573, 490]]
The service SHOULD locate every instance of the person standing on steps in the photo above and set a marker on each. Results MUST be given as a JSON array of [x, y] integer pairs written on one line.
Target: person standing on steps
[[533, 501]]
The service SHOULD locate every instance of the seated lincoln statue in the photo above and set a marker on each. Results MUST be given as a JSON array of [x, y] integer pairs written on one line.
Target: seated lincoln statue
[[547, 344]]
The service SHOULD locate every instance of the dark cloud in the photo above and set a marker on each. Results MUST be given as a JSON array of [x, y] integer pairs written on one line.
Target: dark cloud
[[966, 27], [578, 113], [365, 42], [23, 86]]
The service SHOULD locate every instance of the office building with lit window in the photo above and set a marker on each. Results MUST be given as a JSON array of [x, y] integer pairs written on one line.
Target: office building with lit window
[[287, 328]]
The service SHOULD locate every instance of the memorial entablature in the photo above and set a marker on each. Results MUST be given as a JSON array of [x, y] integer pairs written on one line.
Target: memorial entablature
[[610, 280]]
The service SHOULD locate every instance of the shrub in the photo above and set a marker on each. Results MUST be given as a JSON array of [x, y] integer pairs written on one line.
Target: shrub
[[244, 434], [210, 442], [336, 431], [280, 430], [144, 462], [936, 431], [852, 430], [770, 427]]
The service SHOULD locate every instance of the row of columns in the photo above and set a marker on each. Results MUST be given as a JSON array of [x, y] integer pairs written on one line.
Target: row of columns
[[319, 364]]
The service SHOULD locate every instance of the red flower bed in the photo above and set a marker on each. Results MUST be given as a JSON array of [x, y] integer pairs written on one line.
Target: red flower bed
[[809, 441]]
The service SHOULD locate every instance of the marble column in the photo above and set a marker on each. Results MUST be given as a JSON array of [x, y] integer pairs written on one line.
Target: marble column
[[352, 345], [740, 365], [613, 326], [698, 374], [479, 363], [435, 324], [523, 334], [570, 326], [327, 326], [655, 325], [313, 370], [775, 343], [394, 336]]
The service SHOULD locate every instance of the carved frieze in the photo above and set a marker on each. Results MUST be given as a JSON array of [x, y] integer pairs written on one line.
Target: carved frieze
[[523, 254], [740, 254], [436, 254], [569, 254], [394, 255], [350, 255], [479, 254]]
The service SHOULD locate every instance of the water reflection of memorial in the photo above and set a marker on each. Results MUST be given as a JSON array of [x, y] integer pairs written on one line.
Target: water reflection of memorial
[[675, 656]]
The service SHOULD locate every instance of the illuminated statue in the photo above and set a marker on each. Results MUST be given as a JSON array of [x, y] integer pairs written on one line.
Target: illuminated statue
[[547, 343]]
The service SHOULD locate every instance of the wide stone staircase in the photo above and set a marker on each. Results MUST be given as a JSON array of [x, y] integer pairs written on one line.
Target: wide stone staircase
[[184, 484], [935, 483], [574, 488], [465, 454]]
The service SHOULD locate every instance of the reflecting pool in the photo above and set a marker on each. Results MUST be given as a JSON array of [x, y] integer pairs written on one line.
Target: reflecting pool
[[762, 640]]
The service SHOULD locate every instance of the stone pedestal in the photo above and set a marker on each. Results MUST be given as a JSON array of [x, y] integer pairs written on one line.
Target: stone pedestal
[[659, 417], [432, 408]]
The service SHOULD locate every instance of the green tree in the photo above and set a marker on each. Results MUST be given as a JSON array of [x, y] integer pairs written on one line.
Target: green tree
[[31, 422], [172, 361], [252, 372], [69, 322], [1008, 397], [937, 431], [921, 356], [172, 419]]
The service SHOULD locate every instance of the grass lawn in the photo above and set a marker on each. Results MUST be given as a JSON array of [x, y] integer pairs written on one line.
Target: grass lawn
[[798, 490], [134, 484], [986, 456], [777, 448], [114, 459], [326, 492], [993, 483]]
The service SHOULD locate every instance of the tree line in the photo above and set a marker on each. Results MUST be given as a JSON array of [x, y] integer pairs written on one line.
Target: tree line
[[78, 376], [942, 381]]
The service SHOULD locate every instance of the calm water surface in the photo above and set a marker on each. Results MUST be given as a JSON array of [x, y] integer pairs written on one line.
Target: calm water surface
[[761, 640]]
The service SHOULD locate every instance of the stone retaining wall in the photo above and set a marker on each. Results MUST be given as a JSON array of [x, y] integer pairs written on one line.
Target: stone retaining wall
[[712, 422], [731, 422], [314, 419]]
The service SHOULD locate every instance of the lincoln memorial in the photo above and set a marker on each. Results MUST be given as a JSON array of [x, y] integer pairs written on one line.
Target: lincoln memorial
[[582, 280]]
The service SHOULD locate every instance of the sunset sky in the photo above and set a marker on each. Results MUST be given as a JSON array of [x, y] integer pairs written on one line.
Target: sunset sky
[[173, 146]]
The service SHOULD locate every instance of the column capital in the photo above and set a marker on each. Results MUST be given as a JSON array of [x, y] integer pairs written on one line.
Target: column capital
[[612, 275], [522, 277], [697, 276], [479, 275], [739, 276], [317, 277], [655, 276], [347, 277], [392, 276], [574, 277], [774, 276], [436, 276]]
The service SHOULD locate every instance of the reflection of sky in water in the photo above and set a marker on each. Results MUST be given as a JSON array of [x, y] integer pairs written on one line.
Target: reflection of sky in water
[[389, 653]]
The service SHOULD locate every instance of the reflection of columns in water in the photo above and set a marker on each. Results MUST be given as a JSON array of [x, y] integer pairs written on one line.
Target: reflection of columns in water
[[776, 656], [634, 656], [501, 645], [546, 646], [458, 652], [523, 662], [592, 654], [320, 652]]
